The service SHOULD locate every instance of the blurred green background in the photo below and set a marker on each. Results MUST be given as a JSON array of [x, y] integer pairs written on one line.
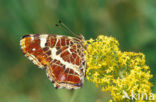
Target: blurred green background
[[131, 22]]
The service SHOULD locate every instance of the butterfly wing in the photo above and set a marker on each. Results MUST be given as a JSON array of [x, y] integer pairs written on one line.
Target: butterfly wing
[[62, 57], [33, 47], [67, 69]]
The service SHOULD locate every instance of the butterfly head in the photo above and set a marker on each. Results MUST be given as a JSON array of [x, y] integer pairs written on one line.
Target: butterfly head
[[81, 37]]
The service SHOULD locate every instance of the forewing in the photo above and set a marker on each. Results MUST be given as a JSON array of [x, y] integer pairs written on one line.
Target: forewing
[[33, 47]]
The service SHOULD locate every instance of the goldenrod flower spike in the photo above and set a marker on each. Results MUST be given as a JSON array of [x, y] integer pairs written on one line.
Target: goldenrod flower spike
[[117, 71]]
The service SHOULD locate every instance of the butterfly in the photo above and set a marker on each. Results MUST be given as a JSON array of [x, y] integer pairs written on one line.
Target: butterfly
[[61, 56]]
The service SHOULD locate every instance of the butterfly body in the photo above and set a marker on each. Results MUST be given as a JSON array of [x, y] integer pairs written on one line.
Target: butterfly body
[[62, 56]]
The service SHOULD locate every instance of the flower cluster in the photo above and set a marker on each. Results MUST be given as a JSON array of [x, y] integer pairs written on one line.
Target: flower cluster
[[117, 71]]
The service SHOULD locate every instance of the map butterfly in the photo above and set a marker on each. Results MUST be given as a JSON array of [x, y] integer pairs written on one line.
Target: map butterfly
[[61, 56]]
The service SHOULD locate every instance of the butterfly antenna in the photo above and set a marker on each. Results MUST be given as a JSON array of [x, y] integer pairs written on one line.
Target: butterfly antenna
[[57, 25], [64, 27]]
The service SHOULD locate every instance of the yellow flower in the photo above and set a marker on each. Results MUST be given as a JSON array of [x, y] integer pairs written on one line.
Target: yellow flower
[[116, 71]]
